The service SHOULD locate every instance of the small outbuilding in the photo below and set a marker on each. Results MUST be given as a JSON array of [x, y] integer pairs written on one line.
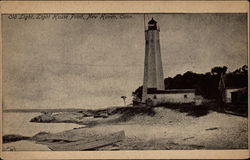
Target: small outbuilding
[[236, 95]]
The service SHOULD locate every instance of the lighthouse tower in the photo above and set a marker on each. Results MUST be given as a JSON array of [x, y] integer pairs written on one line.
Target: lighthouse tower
[[153, 72]]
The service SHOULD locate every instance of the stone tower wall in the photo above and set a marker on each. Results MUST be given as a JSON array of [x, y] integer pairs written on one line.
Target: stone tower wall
[[153, 71]]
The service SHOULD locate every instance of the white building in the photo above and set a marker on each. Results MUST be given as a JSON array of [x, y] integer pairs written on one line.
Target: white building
[[171, 96]]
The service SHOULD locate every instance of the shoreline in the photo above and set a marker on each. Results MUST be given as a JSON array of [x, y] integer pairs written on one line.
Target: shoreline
[[149, 129]]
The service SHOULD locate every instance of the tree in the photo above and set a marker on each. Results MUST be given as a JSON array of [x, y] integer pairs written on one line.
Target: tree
[[218, 70], [205, 84], [244, 68], [137, 95], [124, 99], [237, 78]]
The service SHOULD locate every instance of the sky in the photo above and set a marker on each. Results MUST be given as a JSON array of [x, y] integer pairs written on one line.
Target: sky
[[90, 61]]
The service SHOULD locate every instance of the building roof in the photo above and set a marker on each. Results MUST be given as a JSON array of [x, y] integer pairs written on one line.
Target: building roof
[[155, 91], [152, 21], [238, 88]]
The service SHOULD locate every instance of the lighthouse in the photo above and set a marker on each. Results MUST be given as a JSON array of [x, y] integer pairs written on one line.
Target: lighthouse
[[153, 91], [153, 72]]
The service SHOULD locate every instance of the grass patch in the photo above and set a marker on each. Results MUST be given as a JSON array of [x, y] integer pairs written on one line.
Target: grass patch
[[129, 112], [189, 108]]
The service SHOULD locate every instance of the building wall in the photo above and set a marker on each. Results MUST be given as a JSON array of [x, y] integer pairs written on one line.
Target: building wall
[[229, 94], [172, 98]]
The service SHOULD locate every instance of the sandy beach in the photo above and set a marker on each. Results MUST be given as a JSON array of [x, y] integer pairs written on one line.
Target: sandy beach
[[165, 129]]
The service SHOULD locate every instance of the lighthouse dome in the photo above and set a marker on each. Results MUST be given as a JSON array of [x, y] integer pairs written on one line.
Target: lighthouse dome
[[152, 24]]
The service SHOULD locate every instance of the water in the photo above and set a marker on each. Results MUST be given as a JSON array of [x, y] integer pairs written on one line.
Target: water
[[18, 123]]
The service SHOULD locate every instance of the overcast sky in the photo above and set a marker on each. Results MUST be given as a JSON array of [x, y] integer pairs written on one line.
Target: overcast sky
[[81, 63]]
